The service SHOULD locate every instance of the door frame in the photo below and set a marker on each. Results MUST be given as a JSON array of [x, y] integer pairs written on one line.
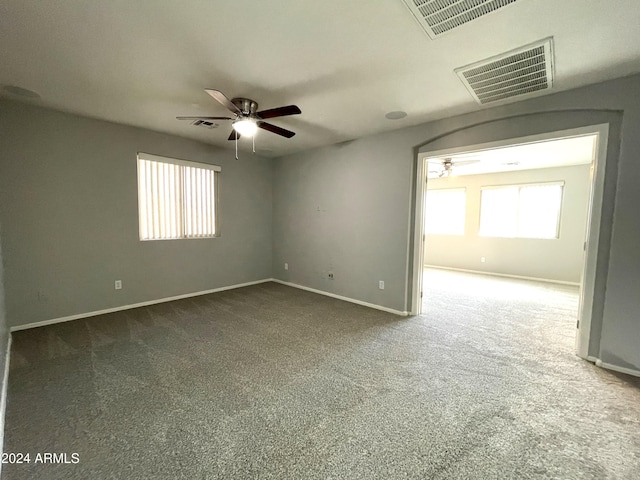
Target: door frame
[[596, 196]]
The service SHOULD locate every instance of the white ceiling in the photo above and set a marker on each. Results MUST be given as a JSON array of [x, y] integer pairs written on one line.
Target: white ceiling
[[546, 154], [344, 63]]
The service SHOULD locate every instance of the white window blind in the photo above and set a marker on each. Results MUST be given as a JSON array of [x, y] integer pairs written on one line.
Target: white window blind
[[445, 211], [521, 211], [176, 198]]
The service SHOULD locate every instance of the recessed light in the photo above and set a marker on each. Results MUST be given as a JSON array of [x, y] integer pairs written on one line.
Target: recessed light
[[397, 115], [20, 92]]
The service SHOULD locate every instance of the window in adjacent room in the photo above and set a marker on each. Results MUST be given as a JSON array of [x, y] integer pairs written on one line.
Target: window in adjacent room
[[521, 211], [445, 211], [176, 198]]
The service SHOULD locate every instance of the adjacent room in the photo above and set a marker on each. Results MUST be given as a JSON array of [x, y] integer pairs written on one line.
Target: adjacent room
[[504, 245], [294, 239], [517, 211]]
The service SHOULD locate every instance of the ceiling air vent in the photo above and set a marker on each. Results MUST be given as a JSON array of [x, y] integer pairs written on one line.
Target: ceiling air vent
[[440, 16], [205, 124], [516, 73]]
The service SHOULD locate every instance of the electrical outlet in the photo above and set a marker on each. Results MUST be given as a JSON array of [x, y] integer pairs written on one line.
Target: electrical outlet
[[118, 284], [482, 259], [286, 266], [381, 284], [331, 275]]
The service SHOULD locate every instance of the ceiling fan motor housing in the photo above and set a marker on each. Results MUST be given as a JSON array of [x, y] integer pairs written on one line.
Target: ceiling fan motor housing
[[246, 105]]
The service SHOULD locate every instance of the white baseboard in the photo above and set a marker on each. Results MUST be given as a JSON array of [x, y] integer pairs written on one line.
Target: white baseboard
[[134, 305], [340, 297], [616, 368], [493, 274], [3, 393]]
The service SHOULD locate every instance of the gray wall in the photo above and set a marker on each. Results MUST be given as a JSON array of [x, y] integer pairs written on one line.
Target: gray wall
[[559, 259], [4, 333], [348, 207], [3, 317], [344, 209], [4, 337], [68, 206]]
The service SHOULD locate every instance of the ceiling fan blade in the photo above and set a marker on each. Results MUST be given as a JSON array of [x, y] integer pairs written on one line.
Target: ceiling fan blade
[[234, 135], [206, 119], [220, 97], [279, 112], [464, 162], [277, 130]]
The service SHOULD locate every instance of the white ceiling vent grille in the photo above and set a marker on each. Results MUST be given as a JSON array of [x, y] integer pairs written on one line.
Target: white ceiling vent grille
[[524, 71], [205, 124], [440, 16]]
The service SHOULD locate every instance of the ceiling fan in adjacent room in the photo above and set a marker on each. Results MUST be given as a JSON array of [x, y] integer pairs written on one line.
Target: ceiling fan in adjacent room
[[247, 119], [445, 166]]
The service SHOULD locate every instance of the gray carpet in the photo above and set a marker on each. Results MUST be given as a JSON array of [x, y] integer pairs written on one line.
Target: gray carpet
[[272, 382]]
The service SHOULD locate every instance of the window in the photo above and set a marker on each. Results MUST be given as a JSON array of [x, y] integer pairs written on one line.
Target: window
[[176, 198], [521, 211], [445, 211]]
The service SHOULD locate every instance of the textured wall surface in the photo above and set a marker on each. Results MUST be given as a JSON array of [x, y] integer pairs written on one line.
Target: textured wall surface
[[344, 210], [3, 316], [69, 209], [552, 259], [4, 336]]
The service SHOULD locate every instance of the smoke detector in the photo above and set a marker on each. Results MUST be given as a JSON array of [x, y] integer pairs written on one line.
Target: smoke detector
[[517, 73]]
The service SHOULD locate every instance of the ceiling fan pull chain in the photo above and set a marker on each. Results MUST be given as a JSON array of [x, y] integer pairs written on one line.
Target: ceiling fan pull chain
[[253, 138], [236, 146]]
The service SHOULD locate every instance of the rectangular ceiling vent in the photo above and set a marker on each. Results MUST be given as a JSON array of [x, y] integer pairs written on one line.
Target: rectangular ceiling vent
[[439, 16], [205, 124], [523, 71]]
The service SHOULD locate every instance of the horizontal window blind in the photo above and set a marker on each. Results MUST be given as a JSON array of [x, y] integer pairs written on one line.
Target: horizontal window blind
[[176, 198]]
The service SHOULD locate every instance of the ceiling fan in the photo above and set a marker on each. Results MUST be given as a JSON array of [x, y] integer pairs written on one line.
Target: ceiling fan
[[247, 119], [444, 166]]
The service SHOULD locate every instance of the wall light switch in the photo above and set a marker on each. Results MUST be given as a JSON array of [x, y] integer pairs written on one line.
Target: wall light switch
[[286, 266], [381, 284], [482, 259], [118, 284]]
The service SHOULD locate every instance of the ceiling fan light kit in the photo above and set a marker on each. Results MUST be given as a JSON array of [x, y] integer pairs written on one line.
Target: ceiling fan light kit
[[246, 127], [247, 119]]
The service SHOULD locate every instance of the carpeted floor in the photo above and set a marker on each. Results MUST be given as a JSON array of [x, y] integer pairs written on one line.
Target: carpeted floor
[[273, 382]]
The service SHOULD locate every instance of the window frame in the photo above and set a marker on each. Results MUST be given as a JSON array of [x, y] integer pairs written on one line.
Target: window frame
[[519, 186], [182, 163], [464, 214]]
